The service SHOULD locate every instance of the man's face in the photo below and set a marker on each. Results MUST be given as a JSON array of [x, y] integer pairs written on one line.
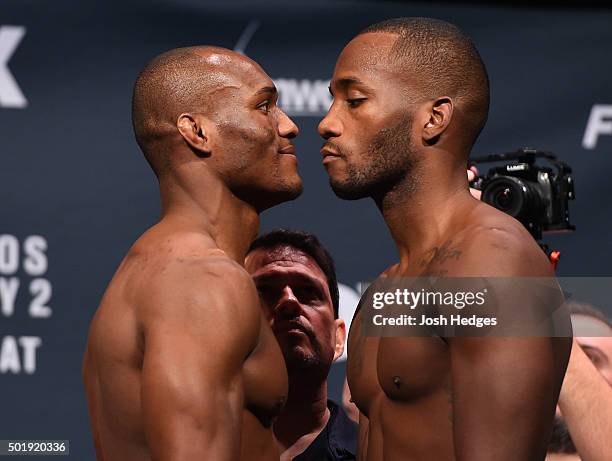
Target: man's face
[[254, 135], [597, 348], [368, 129], [297, 302]]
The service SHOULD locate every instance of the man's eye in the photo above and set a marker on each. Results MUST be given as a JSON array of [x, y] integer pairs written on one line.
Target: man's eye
[[355, 102], [306, 293], [595, 358], [264, 106]]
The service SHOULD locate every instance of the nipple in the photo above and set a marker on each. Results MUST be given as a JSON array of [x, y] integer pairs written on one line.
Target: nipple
[[397, 381]]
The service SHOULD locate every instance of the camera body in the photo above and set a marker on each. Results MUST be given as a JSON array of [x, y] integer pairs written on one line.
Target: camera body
[[535, 195]]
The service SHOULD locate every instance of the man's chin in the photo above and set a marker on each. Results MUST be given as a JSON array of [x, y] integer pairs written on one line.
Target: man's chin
[[285, 193], [290, 191], [297, 362], [300, 357], [346, 191]]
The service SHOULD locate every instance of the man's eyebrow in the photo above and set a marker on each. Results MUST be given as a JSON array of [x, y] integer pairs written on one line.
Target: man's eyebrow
[[297, 276], [593, 349], [266, 89], [345, 82]]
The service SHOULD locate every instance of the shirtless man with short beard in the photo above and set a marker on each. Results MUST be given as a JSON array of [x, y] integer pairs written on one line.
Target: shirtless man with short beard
[[410, 97]]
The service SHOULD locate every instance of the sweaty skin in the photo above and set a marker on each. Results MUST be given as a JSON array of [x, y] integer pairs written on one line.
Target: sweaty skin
[[181, 364], [442, 399]]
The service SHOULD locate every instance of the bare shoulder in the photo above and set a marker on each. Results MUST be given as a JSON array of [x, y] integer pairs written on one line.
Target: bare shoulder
[[214, 278], [165, 256], [495, 244], [186, 274]]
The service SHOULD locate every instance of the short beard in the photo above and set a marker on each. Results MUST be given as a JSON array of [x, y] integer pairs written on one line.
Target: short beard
[[391, 162], [561, 440], [303, 361], [311, 361]]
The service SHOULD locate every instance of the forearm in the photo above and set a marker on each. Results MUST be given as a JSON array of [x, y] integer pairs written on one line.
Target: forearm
[[586, 405]]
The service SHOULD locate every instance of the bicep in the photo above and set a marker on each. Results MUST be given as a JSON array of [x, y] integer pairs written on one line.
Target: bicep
[[504, 396], [191, 397], [198, 330]]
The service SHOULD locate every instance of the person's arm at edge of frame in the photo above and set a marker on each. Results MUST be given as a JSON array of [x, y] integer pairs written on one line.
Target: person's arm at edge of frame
[[505, 389], [196, 339], [586, 405]]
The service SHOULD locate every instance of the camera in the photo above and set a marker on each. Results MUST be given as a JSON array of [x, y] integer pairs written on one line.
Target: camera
[[537, 196]]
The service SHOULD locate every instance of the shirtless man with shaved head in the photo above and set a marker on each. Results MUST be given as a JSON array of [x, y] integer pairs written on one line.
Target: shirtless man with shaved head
[[410, 97], [180, 362]]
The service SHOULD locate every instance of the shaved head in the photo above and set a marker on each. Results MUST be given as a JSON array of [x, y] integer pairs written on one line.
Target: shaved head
[[208, 115], [183, 80], [444, 62]]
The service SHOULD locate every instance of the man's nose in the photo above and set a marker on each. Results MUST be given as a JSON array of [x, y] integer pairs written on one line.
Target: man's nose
[[287, 127], [330, 126], [288, 304]]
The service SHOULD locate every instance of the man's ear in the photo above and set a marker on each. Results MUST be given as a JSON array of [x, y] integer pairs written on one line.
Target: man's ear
[[438, 120], [193, 128], [340, 338]]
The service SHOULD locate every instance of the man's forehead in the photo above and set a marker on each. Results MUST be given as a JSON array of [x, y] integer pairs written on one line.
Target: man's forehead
[[602, 343], [232, 70], [282, 253], [283, 256], [366, 52]]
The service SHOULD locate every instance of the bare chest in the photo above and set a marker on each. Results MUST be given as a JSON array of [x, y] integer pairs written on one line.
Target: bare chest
[[403, 369]]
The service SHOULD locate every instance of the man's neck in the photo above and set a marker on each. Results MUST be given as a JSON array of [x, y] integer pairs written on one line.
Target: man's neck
[[304, 416], [205, 204], [420, 216]]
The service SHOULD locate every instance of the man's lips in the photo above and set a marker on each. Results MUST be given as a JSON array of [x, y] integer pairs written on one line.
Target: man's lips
[[330, 152], [326, 152], [287, 150], [329, 155], [291, 327]]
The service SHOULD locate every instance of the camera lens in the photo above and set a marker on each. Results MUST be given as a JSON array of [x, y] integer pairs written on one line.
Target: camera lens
[[506, 194], [503, 199], [515, 196]]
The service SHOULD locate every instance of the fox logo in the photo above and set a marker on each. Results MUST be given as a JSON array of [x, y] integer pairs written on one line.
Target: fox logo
[[10, 93]]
